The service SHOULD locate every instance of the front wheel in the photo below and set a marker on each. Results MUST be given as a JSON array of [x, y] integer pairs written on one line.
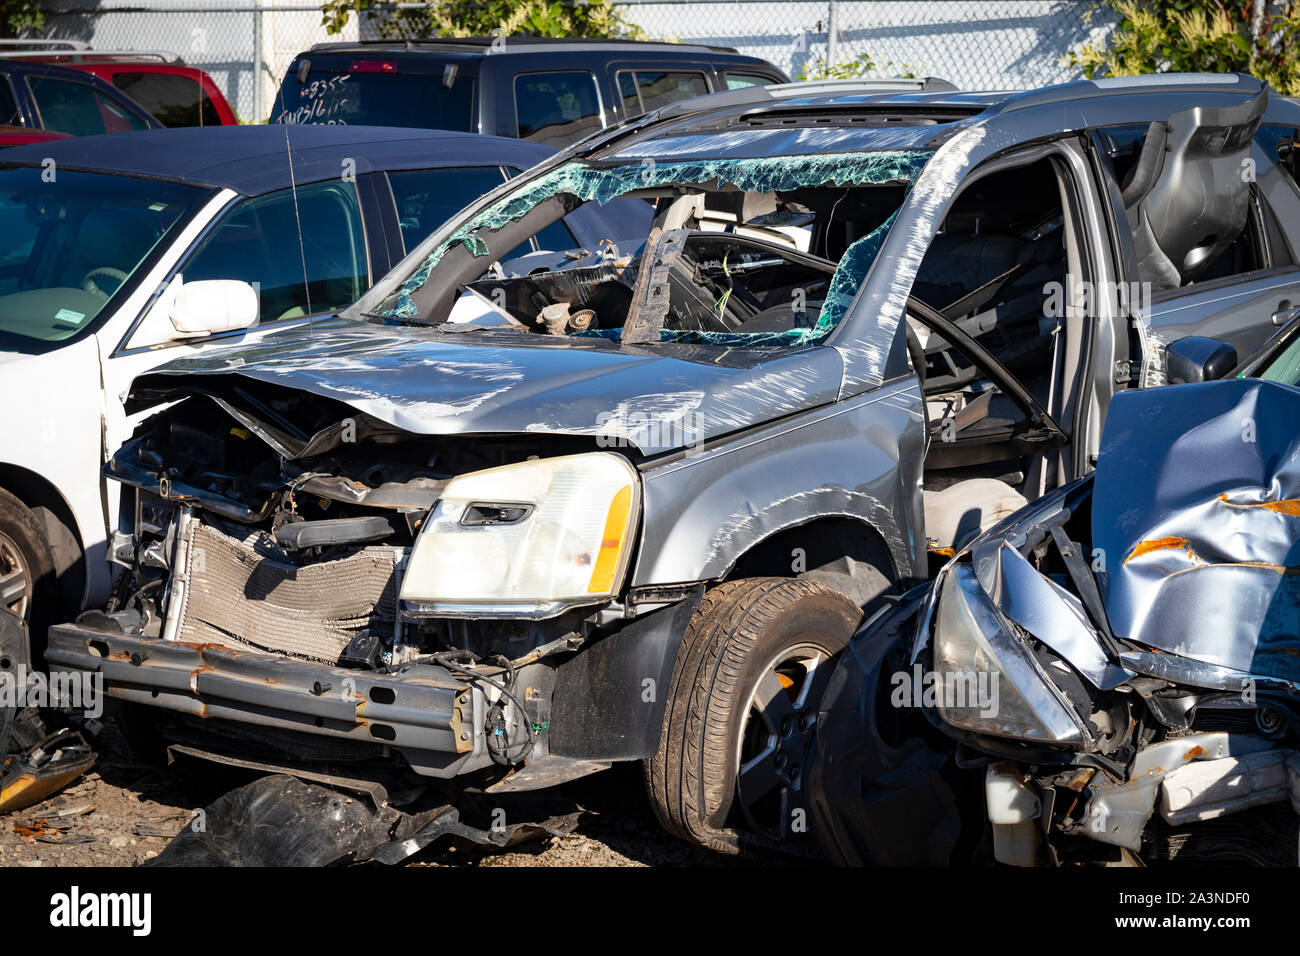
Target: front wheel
[[730, 773], [27, 581]]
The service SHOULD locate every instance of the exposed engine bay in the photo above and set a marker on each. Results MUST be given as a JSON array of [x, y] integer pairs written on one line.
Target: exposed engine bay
[[315, 544]]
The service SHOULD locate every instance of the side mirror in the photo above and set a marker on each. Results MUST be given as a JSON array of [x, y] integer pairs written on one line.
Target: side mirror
[[1287, 156], [209, 306], [1196, 358]]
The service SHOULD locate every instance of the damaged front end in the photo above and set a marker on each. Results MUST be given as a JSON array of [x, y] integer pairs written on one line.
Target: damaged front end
[[309, 585], [406, 539], [1110, 675]]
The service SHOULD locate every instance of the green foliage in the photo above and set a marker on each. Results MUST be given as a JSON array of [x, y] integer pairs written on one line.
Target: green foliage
[[1199, 36], [19, 15], [861, 65], [541, 18]]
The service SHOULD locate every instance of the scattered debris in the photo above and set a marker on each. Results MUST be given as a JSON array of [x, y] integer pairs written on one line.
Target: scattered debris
[[34, 762], [279, 820]]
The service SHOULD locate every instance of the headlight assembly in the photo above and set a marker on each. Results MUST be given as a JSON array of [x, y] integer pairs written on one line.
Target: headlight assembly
[[976, 656], [526, 540]]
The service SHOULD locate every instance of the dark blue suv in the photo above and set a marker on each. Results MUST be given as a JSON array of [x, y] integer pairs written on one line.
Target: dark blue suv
[[45, 96], [552, 91]]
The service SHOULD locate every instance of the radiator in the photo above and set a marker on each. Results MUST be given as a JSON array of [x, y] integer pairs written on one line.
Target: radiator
[[245, 594]]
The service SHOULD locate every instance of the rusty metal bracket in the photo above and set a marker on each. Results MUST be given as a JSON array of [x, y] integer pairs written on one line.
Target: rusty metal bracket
[[651, 295]]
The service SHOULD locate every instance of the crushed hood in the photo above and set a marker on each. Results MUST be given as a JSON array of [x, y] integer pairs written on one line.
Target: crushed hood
[[655, 398], [1196, 512]]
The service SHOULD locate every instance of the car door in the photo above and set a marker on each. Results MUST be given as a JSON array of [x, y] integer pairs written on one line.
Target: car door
[[304, 251], [1021, 266]]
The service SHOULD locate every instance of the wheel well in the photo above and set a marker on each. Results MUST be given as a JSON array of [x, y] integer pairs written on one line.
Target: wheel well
[[60, 526], [815, 544]]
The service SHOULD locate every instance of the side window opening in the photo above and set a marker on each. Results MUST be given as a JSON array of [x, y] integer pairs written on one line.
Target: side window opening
[[1188, 200], [990, 268], [643, 91], [556, 108], [174, 99], [1279, 251], [258, 242], [426, 198], [79, 109], [739, 81], [999, 269], [1278, 142]]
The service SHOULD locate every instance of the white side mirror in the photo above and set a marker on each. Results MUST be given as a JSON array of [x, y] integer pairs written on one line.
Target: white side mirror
[[209, 306]]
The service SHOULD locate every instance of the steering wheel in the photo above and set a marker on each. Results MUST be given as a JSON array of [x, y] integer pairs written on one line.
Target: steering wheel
[[88, 280]]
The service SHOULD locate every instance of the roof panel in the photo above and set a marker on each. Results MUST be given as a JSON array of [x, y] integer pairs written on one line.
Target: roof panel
[[255, 159]]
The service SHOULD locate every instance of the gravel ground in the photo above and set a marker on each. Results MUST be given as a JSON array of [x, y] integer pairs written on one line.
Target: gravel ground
[[124, 812]]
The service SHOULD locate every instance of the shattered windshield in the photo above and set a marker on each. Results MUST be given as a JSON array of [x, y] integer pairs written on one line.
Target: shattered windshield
[[765, 251]]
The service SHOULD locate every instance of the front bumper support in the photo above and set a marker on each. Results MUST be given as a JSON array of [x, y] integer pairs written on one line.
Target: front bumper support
[[423, 712]]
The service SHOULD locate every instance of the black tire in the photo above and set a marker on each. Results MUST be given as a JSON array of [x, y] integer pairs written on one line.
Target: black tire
[[746, 632], [25, 559]]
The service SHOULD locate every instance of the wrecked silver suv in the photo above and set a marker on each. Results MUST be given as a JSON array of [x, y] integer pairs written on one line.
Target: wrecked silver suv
[[506, 529]]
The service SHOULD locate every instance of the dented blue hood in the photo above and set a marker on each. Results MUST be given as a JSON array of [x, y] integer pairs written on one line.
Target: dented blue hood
[[656, 398], [1196, 523]]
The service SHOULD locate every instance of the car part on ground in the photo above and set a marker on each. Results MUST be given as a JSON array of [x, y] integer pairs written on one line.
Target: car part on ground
[[1116, 660], [35, 762], [281, 820]]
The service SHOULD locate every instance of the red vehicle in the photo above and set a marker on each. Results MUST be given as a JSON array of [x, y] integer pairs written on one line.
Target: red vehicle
[[21, 135], [178, 95]]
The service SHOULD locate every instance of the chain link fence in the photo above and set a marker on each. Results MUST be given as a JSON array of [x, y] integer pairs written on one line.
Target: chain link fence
[[977, 44], [246, 45]]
